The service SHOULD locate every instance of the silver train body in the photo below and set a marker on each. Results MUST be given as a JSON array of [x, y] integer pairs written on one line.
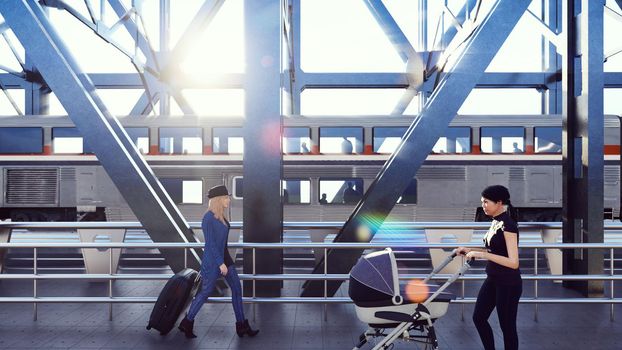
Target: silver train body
[[52, 187]]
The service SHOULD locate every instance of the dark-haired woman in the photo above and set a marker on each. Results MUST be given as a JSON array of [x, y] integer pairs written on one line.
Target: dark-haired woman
[[503, 286], [216, 262]]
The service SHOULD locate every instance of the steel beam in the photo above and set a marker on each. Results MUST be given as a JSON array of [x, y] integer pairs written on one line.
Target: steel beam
[[583, 140], [417, 143], [101, 131], [391, 29], [263, 211]]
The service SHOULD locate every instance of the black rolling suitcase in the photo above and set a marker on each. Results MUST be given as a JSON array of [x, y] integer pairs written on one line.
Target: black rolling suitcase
[[173, 299]]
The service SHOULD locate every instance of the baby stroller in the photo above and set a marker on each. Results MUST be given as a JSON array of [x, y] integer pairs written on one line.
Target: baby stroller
[[375, 290]]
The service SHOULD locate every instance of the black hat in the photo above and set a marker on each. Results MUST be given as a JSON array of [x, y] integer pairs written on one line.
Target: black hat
[[217, 191]]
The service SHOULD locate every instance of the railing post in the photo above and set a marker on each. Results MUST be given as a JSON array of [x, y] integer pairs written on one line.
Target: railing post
[[254, 280], [535, 272], [612, 273], [463, 289], [34, 284], [110, 286], [185, 258], [325, 283]]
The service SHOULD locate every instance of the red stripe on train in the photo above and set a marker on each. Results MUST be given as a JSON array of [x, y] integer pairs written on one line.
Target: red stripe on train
[[612, 149]]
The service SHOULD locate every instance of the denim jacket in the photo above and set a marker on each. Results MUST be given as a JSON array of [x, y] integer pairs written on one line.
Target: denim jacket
[[216, 234]]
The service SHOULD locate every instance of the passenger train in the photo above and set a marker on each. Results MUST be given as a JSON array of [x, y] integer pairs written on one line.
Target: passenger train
[[48, 174]]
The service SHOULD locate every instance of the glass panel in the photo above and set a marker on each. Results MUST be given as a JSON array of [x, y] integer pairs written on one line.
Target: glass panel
[[296, 191], [68, 141], [296, 140], [331, 102], [502, 101], [181, 140], [120, 101], [228, 140], [410, 194], [386, 140], [238, 187], [192, 192], [140, 137], [215, 102], [331, 44], [548, 139], [502, 140], [18, 96], [457, 140], [21, 140], [341, 191], [341, 140]]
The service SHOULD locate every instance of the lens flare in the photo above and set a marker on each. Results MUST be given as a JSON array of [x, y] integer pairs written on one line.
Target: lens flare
[[416, 291], [363, 233]]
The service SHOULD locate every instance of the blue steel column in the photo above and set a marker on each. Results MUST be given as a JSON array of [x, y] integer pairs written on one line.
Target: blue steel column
[[297, 86], [104, 134], [417, 143], [263, 211], [37, 94], [582, 141]]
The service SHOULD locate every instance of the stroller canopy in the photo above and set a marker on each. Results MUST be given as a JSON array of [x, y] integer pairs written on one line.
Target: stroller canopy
[[374, 278]]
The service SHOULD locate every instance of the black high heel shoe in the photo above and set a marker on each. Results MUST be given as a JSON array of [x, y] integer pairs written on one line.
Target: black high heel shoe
[[186, 327], [243, 328]]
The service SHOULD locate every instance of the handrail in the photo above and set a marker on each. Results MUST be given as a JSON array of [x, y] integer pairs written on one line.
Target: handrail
[[110, 299], [332, 245]]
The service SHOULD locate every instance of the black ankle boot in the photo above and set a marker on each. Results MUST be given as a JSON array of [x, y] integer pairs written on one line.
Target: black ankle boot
[[243, 328], [186, 326]]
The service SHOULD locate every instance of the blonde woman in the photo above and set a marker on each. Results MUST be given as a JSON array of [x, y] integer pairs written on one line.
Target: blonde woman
[[217, 262]]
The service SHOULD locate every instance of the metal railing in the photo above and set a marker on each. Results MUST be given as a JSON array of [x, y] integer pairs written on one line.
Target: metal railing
[[113, 276]]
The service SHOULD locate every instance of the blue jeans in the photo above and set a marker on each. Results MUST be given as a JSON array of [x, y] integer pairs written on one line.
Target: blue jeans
[[209, 276]]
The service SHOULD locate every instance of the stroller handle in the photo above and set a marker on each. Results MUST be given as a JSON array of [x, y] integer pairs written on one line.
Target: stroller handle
[[442, 265], [450, 258]]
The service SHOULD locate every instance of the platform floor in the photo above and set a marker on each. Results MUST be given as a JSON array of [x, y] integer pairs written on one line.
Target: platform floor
[[283, 326]]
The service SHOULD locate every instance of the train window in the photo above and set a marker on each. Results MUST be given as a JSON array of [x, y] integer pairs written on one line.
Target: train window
[[341, 140], [409, 196], [68, 141], [548, 139], [296, 191], [228, 140], [181, 140], [140, 138], [386, 140], [21, 140], [456, 140], [238, 187], [183, 191], [502, 140], [340, 191], [192, 191], [296, 140]]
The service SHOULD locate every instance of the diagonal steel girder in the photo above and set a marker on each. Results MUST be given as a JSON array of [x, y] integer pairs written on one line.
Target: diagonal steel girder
[[391, 29], [101, 131], [417, 143]]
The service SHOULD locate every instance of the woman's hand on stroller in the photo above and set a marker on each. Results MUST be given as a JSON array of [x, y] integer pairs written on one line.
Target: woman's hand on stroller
[[462, 250]]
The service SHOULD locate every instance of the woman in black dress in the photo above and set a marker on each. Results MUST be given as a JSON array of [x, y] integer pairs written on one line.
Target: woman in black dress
[[503, 285]]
